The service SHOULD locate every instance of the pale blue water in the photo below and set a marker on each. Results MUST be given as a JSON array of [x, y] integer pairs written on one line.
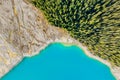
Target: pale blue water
[[58, 62]]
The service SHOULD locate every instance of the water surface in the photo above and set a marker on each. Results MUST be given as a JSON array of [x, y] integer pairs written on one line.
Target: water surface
[[59, 62]]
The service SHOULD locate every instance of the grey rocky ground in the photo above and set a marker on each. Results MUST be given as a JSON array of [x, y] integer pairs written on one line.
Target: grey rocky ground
[[23, 32]]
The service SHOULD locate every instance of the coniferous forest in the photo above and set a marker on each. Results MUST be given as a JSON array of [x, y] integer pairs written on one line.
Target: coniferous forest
[[95, 23]]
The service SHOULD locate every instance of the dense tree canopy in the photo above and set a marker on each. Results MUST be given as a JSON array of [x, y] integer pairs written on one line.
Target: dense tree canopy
[[95, 23]]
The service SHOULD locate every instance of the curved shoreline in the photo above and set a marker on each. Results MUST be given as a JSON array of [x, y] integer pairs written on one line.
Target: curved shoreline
[[63, 44], [78, 44], [89, 54], [70, 41]]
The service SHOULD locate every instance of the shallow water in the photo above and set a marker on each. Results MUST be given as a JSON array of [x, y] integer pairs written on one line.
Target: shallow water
[[59, 62]]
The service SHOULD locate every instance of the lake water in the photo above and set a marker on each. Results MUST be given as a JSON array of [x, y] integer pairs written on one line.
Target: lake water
[[59, 62]]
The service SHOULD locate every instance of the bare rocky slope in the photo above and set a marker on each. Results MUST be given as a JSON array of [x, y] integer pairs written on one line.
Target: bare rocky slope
[[23, 32]]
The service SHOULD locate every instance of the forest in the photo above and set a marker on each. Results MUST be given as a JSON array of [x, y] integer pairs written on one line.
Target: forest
[[95, 23]]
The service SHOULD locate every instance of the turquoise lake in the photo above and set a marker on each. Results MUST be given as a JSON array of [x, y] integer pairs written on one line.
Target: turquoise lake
[[59, 62]]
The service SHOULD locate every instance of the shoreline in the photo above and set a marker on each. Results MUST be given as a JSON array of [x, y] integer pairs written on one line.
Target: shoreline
[[69, 42], [115, 72]]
